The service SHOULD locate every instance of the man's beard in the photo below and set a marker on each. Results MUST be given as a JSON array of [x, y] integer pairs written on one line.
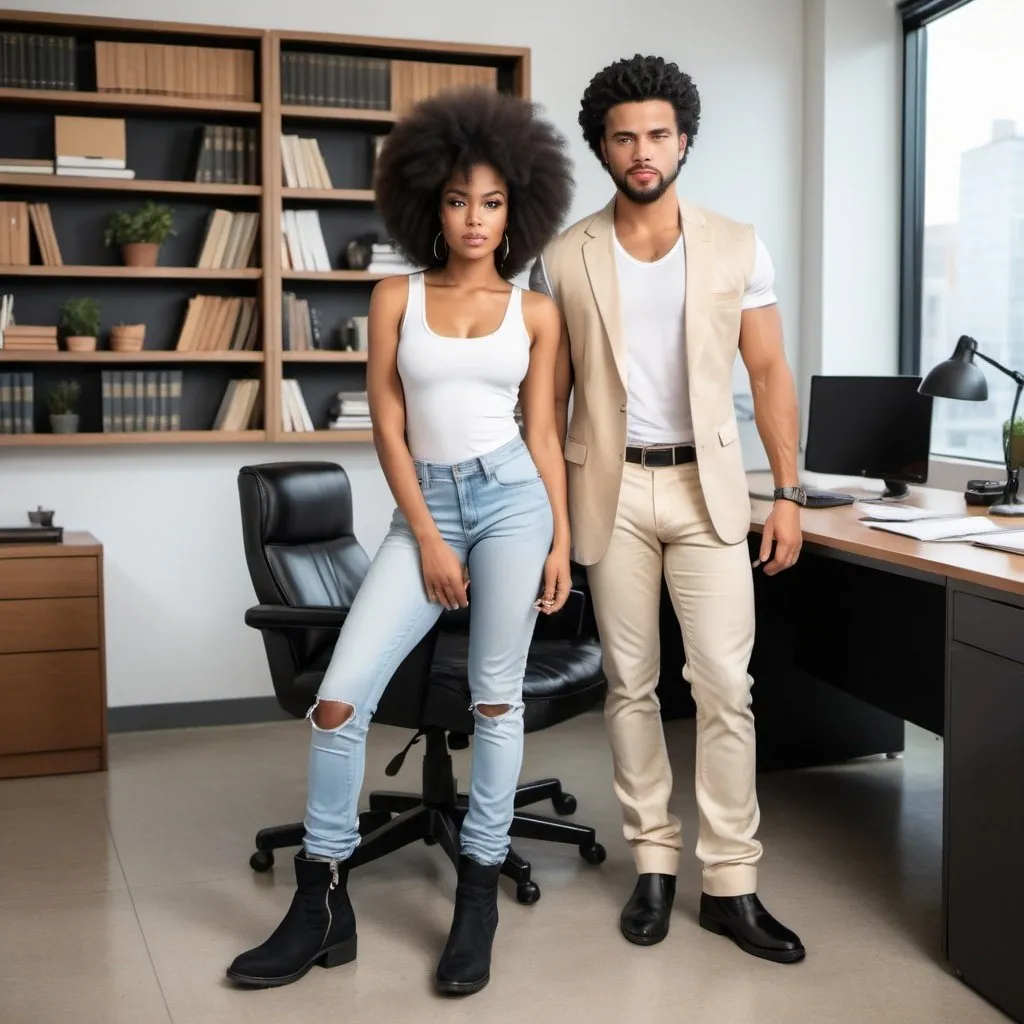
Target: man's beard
[[645, 195]]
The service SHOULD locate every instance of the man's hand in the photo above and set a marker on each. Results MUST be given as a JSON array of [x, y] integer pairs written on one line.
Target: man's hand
[[783, 527]]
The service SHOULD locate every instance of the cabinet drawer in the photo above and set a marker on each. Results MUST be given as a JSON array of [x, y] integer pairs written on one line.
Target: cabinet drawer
[[48, 577], [50, 702], [989, 625], [49, 624]]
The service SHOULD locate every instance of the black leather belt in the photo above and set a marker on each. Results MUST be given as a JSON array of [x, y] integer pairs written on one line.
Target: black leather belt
[[657, 456]]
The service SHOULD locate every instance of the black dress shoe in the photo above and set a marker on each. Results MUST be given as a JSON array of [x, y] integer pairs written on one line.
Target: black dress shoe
[[744, 920], [644, 919]]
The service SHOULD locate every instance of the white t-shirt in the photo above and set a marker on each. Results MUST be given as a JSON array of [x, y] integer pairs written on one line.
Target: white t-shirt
[[652, 298]]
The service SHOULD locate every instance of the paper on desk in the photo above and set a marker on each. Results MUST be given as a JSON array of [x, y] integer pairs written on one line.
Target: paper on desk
[[904, 514], [1005, 540], [958, 528]]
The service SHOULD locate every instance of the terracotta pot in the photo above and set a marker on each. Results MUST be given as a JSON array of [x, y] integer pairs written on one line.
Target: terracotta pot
[[80, 343], [140, 254], [127, 337]]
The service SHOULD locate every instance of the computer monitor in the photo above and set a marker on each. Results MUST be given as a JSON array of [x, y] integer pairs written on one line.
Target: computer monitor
[[877, 427]]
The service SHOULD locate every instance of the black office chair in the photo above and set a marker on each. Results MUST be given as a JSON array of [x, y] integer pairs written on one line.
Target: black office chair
[[306, 566]]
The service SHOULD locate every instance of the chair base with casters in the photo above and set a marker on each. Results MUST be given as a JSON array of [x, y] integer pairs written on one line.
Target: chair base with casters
[[394, 820]]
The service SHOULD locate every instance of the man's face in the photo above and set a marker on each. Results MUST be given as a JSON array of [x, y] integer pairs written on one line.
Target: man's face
[[643, 149]]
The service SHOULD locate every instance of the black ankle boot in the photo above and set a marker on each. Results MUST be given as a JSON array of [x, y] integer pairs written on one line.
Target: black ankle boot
[[645, 917], [465, 965], [319, 928]]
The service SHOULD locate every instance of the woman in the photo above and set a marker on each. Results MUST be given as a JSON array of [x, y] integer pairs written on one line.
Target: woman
[[471, 185]]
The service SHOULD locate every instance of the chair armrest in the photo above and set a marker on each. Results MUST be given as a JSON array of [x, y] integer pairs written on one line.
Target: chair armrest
[[282, 616]]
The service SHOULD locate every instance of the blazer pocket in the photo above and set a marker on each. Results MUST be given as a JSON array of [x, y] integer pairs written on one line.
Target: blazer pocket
[[728, 432], [729, 295], [575, 451]]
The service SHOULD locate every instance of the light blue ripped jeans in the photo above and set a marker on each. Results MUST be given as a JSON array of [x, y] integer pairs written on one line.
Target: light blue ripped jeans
[[495, 514]]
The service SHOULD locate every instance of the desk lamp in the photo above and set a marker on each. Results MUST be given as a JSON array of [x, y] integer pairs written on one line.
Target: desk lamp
[[958, 377]]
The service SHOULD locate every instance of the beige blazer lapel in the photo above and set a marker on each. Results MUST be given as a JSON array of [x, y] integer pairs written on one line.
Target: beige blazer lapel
[[697, 243], [599, 257]]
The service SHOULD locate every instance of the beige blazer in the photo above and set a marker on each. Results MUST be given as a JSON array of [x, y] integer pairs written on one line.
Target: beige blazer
[[578, 270]]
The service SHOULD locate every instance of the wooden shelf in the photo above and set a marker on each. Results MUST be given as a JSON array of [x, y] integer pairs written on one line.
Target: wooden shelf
[[145, 356], [339, 114], [138, 437], [332, 275], [325, 436], [331, 195], [126, 101], [173, 273], [323, 356], [71, 182]]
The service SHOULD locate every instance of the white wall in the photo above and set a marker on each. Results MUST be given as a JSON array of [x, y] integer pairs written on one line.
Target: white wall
[[168, 516]]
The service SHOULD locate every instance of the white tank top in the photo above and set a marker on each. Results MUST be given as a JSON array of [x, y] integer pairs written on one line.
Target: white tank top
[[460, 393]]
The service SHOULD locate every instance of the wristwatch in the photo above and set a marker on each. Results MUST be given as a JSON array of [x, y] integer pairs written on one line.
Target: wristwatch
[[797, 494]]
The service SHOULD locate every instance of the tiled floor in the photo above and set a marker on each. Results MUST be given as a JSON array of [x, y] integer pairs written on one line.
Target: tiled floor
[[123, 897]]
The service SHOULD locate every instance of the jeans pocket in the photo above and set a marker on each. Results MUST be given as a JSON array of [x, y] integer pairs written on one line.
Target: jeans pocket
[[517, 472]]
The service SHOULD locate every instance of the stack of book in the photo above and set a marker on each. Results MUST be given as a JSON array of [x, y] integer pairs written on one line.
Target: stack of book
[[15, 247], [20, 165], [16, 403], [353, 411], [303, 164], [230, 240], [386, 259], [29, 60], [199, 72], [219, 323], [300, 327], [302, 241], [140, 400], [91, 147], [294, 414], [227, 155], [335, 80], [25, 338], [238, 408]]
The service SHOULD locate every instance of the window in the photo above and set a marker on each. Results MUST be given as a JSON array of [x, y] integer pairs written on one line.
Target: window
[[963, 205]]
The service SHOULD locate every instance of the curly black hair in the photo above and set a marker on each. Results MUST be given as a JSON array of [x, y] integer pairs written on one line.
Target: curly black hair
[[633, 80], [450, 133]]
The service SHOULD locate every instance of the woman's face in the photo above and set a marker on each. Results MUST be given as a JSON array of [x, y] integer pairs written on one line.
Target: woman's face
[[474, 213]]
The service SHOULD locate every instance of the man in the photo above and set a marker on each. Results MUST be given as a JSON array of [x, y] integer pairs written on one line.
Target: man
[[656, 296]]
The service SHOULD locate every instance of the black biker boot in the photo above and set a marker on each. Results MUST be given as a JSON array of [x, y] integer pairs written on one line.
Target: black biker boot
[[465, 965], [319, 928]]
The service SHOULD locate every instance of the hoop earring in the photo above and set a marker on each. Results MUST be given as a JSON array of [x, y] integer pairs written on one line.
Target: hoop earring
[[437, 256], [508, 248]]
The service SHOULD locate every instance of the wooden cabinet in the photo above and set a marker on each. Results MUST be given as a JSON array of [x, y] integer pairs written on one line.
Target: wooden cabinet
[[53, 699], [985, 796]]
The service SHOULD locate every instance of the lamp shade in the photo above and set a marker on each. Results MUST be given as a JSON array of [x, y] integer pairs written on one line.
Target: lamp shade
[[957, 377]]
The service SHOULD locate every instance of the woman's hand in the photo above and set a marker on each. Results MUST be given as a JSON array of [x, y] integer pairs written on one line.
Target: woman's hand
[[557, 582], [443, 574]]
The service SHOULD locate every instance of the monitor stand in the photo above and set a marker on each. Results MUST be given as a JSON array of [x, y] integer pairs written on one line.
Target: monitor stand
[[895, 490]]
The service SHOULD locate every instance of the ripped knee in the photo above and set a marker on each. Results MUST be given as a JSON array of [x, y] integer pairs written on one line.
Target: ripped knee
[[493, 710], [330, 714]]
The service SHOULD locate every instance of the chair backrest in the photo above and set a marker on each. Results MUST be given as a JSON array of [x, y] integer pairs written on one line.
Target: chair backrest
[[301, 552], [299, 543]]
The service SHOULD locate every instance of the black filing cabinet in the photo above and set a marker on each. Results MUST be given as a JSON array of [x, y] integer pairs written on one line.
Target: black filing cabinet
[[984, 780]]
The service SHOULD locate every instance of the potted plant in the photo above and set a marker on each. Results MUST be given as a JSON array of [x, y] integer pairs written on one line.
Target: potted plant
[[127, 337], [140, 233], [1016, 439], [61, 401], [80, 320]]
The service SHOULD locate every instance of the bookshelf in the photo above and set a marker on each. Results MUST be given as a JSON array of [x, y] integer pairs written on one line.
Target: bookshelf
[[300, 113]]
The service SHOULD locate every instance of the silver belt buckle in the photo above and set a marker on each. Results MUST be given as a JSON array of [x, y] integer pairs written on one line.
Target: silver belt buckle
[[655, 448]]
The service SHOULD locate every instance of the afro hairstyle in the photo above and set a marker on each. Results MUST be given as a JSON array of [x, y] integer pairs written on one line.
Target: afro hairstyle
[[454, 131], [634, 80]]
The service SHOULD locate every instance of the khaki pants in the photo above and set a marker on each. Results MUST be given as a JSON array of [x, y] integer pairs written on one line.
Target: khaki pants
[[662, 526]]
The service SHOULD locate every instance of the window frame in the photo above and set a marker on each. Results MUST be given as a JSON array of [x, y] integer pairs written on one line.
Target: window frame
[[916, 16]]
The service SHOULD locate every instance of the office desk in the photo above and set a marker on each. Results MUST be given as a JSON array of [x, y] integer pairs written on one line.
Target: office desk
[[870, 629]]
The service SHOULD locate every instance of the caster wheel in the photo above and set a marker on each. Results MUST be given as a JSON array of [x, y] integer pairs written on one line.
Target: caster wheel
[[527, 892], [564, 803], [430, 840], [262, 860], [593, 853]]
